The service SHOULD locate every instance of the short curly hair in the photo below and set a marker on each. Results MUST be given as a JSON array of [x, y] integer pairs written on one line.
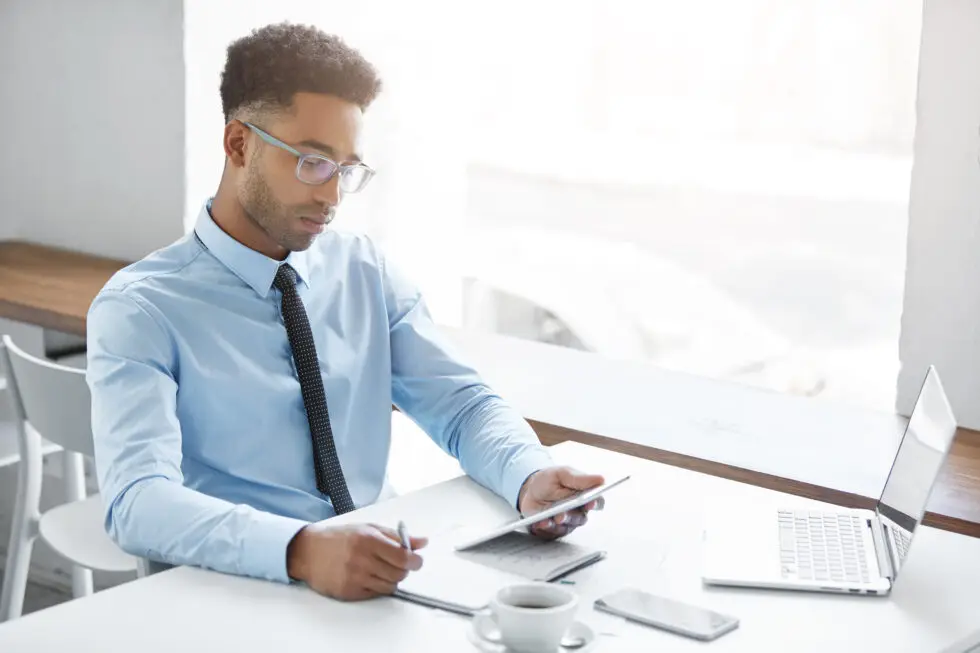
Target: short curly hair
[[265, 69]]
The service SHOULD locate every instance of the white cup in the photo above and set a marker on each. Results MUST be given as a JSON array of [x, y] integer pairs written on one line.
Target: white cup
[[532, 617]]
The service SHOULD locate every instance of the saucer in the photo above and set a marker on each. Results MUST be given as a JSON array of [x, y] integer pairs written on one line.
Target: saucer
[[578, 629]]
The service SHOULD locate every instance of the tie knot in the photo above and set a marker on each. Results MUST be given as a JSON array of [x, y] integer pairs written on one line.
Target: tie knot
[[285, 278]]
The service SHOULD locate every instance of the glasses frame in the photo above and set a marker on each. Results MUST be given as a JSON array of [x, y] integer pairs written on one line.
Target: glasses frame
[[302, 157]]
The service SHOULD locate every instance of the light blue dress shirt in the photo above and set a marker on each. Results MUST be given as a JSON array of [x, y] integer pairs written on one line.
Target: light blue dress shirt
[[202, 444]]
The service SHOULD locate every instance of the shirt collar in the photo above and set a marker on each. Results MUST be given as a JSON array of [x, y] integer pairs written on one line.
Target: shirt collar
[[254, 268]]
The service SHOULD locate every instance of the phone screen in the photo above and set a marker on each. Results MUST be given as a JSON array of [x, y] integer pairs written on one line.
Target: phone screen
[[658, 610]]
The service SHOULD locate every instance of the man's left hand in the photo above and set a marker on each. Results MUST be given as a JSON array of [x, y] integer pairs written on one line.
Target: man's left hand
[[551, 485]]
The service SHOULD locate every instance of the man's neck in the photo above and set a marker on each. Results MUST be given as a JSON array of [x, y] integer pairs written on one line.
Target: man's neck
[[231, 218]]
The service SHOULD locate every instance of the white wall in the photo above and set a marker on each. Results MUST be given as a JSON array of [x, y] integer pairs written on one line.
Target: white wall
[[941, 322], [92, 155], [92, 107]]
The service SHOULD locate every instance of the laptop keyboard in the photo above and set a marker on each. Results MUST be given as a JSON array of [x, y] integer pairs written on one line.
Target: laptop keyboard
[[902, 541], [822, 546]]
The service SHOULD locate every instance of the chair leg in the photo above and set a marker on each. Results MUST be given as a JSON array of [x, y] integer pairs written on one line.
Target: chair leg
[[23, 532], [81, 578]]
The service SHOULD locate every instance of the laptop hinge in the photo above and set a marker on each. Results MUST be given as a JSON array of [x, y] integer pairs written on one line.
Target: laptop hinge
[[882, 552]]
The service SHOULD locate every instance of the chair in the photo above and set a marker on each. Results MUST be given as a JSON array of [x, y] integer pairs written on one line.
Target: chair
[[53, 400]]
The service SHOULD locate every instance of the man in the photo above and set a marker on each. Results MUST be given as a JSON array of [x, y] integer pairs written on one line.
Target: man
[[243, 377]]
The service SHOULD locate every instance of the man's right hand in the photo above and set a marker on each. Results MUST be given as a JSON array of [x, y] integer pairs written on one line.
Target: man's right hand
[[351, 562]]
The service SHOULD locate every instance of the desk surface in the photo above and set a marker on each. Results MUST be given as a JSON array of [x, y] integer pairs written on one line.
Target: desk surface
[[651, 528], [50, 287], [730, 431], [817, 449]]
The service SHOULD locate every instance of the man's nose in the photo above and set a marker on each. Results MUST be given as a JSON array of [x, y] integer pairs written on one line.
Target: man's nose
[[328, 195]]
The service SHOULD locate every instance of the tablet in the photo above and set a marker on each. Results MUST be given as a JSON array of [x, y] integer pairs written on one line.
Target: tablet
[[572, 502]]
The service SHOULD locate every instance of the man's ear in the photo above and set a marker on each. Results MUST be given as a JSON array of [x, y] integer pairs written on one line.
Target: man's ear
[[236, 142]]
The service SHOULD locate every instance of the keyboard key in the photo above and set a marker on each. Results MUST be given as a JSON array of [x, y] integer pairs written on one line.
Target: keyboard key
[[822, 546]]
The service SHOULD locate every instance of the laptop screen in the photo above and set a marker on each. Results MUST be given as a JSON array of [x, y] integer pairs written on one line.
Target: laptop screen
[[919, 459]]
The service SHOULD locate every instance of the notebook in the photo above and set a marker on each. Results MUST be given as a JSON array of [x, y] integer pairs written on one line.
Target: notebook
[[450, 582], [465, 581], [532, 558]]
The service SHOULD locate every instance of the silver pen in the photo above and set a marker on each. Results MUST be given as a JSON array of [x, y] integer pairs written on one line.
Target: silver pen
[[403, 535]]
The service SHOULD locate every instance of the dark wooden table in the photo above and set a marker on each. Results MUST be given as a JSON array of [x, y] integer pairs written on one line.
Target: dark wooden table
[[53, 288]]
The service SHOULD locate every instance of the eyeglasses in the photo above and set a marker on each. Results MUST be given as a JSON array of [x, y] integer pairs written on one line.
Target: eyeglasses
[[316, 169]]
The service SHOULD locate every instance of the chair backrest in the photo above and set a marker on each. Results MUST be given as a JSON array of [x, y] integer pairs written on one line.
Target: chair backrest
[[54, 399]]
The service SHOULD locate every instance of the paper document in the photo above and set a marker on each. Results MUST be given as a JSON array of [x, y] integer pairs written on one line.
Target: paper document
[[531, 557], [449, 581]]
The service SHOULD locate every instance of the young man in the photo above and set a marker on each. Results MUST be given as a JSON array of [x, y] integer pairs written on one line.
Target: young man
[[243, 377]]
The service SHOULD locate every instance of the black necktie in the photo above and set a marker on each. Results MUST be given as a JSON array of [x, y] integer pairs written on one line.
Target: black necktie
[[329, 475]]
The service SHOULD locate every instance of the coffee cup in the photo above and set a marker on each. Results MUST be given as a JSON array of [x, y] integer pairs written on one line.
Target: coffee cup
[[530, 617]]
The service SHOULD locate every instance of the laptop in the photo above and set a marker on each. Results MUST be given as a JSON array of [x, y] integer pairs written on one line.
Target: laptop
[[838, 549]]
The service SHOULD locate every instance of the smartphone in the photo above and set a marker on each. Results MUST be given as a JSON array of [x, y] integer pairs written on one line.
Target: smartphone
[[667, 614]]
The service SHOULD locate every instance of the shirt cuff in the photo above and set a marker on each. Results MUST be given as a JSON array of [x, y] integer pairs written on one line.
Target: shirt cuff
[[533, 459], [264, 550]]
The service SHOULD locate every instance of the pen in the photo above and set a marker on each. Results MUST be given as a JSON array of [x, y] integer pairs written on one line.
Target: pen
[[403, 535]]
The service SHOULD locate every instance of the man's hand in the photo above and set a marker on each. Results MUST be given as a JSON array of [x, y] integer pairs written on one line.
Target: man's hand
[[552, 485], [353, 562]]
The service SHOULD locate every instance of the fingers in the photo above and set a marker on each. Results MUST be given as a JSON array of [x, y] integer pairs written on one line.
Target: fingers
[[386, 571], [572, 518], [595, 504], [371, 585], [576, 480], [416, 542], [552, 532], [560, 525], [389, 550], [390, 533], [360, 561], [561, 492], [379, 566]]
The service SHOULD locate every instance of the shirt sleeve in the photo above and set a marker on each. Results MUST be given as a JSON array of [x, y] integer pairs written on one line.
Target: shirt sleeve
[[447, 398], [148, 511]]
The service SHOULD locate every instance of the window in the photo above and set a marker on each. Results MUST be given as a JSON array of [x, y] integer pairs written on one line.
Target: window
[[714, 187]]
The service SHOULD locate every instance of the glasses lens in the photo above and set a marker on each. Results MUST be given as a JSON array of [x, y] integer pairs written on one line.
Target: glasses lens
[[355, 178], [316, 170]]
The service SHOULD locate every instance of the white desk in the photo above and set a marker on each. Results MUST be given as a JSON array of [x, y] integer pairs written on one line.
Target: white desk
[[811, 440], [652, 528]]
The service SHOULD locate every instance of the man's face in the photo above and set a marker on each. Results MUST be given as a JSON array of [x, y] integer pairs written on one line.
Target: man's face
[[289, 211]]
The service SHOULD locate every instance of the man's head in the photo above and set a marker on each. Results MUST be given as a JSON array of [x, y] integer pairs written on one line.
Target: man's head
[[292, 87]]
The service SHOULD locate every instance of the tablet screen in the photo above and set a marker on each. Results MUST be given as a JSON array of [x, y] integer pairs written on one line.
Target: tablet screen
[[565, 505]]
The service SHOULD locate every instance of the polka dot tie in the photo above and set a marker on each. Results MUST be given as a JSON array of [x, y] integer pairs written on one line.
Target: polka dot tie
[[329, 475]]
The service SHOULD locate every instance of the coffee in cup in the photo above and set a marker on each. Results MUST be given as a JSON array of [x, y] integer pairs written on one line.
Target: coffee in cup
[[531, 617]]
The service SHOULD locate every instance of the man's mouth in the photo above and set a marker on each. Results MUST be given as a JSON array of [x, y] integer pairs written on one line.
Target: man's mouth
[[314, 225]]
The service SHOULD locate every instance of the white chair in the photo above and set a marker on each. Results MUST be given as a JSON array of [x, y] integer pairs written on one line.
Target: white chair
[[53, 400]]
